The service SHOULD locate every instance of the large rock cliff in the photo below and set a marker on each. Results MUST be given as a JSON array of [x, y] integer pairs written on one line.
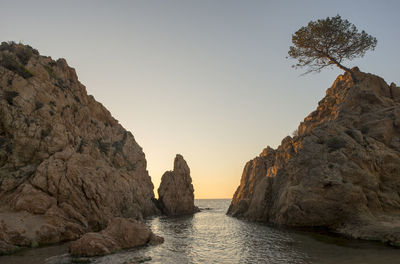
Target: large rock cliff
[[341, 171], [66, 165], [176, 193]]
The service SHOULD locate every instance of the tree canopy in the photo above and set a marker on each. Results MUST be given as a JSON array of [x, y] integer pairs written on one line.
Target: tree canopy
[[328, 42]]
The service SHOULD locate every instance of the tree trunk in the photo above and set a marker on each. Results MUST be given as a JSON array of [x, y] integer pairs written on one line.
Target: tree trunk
[[345, 69]]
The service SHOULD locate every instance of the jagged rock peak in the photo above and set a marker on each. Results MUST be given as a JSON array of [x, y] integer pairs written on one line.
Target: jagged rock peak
[[181, 167], [176, 193], [65, 163], [342, 169]]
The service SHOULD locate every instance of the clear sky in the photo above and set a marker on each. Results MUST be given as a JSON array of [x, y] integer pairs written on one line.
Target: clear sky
[[207, 79]]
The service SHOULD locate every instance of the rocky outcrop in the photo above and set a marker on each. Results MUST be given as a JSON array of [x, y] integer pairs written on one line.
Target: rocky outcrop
[[176, 193], [66, 165], [341, 171], [121, 233]]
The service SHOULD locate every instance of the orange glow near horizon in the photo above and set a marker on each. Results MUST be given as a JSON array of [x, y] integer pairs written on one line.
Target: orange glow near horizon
[[206, 79], [209, 182]]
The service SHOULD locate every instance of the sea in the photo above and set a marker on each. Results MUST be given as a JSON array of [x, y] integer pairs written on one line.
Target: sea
[[211, 236]]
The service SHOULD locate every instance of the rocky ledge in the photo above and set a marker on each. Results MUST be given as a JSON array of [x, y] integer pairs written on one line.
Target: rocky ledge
[[340, 171], [66, 165], [176, 193], [121, 233]]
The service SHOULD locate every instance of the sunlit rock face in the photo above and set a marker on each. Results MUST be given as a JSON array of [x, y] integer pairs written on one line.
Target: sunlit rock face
[[66, 165], [176, 193], [342, 170]]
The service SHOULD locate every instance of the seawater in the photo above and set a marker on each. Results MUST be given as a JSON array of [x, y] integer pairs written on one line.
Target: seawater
[[211, 236]]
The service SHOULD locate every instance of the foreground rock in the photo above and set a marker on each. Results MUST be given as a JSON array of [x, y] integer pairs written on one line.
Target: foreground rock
[[342, 170], [66, 165], [121, 233], [176, 193]]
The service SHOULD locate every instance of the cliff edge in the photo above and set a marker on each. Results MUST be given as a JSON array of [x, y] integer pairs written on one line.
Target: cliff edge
[[66, 165], [342, 170]]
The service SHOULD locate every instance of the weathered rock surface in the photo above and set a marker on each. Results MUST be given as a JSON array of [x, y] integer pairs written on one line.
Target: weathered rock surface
[[66, 165], [176, 193], [121, 233], [342, 170]]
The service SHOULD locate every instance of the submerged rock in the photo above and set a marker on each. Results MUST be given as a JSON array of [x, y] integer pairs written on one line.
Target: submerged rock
[[121, 233], [176, 193], [342, 170], [66, 165]]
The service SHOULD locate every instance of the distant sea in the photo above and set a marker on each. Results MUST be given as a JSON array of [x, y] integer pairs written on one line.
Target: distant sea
[[210, 236]]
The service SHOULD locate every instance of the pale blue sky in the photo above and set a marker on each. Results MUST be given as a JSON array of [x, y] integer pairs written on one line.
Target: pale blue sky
[[207, 79]]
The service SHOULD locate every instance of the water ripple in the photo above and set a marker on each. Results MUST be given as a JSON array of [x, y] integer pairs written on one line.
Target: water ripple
[[212, 237]]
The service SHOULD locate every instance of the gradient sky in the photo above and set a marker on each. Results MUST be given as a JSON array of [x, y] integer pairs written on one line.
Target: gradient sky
[[207, 79]]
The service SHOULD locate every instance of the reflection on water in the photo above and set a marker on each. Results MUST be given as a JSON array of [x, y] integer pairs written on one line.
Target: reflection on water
[[212, 237]]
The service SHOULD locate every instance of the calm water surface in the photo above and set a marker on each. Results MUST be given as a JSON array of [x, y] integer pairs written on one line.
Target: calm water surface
[[212, 237]]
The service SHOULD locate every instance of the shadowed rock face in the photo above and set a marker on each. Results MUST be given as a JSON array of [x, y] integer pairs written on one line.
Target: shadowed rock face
[[121, 233], [66, 165], [342, 170], [176, 193]]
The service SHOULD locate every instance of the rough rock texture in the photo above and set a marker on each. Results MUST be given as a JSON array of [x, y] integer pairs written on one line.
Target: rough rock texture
[[66, 165], [176, 193], [342, 170], [121, 233]]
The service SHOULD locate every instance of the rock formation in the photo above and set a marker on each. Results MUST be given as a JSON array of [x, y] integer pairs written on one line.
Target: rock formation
[[176, 190], [121, 233], [342, 170], [66, 165]]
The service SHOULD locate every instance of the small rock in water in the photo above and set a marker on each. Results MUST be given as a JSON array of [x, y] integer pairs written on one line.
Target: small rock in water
[[138, 260], [176, 193], [81, 260]]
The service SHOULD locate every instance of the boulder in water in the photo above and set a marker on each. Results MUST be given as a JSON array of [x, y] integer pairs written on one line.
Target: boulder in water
[[121, 233], [176, 193]]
